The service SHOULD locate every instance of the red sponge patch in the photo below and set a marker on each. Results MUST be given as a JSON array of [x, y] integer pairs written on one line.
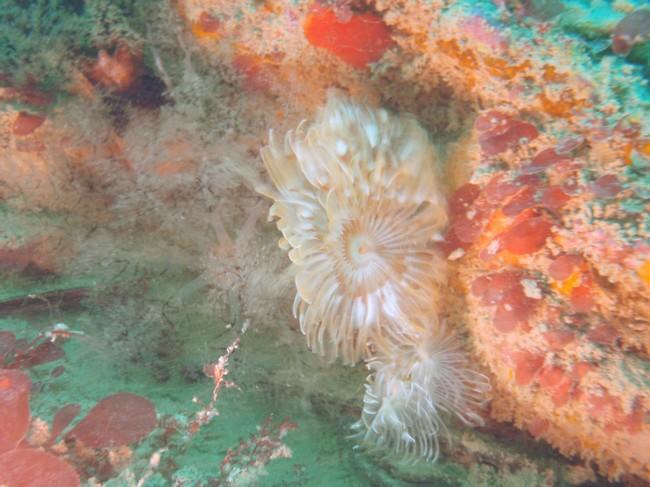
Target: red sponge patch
[[117, 420], [14, 408], [358, 41], [35, 468]]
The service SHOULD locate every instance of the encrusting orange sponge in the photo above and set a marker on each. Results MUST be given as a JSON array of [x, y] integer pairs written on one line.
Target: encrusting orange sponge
[[359, 40]]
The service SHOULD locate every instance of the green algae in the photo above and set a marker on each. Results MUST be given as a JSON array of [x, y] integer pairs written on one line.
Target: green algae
[[276, 377], [69, 29]]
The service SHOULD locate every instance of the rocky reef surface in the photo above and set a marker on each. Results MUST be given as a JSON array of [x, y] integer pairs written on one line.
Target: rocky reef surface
[[130, 136]]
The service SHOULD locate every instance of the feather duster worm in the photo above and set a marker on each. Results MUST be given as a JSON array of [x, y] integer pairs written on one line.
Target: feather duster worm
[[408, 390], [358, 200]]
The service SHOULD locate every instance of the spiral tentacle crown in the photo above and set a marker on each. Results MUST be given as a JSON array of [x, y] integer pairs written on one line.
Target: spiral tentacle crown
[[358, 200]]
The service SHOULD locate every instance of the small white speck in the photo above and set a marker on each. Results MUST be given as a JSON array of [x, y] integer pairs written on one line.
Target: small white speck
[[531, 289], [493, 248], [372, 133], [456, 254], [341, 147]]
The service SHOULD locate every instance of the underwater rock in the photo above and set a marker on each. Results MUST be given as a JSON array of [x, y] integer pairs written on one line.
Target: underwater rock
[[568, 304], [633, 29]]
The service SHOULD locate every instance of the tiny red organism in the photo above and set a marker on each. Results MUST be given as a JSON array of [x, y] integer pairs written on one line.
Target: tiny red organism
[[570, 144], [543, 160], [207, 26], [468, 227], [527, 364], [527, 236], [525, 198], [117, 72], [26, 123], [501, 132], [550, 377], [250, 66], [505, 290], [537, 426], [514, 310], [361, 39], [499, 188], [462, 198], [492, 288], [582, 300], [30, 467], [554, 198], [20, 354], [117, 420], [558, 339], [606, 186], [14, 408], [62, 419], [467, 221], [27, 95], [563, 266], [603, 335]]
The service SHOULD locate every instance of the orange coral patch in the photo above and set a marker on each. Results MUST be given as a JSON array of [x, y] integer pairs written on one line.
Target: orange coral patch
[[501, 69], [537, 426], [562, 392], [169, 168], [602, 403], [644, 272], [550, 377], [581, 369], [466, 58], [29, 96], [558, 339], [526, 366], [552, 76], [633, 422], [563, 266], [557, 383], [206, 27], [627, 152], [527, 236], [499, 188], [29, 466], [514, 310], [643, 146], [14, 408], [361, 40], [117, 72], [603, 335], [562, 107], [250, 66], [582, 300], [555, 198]]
